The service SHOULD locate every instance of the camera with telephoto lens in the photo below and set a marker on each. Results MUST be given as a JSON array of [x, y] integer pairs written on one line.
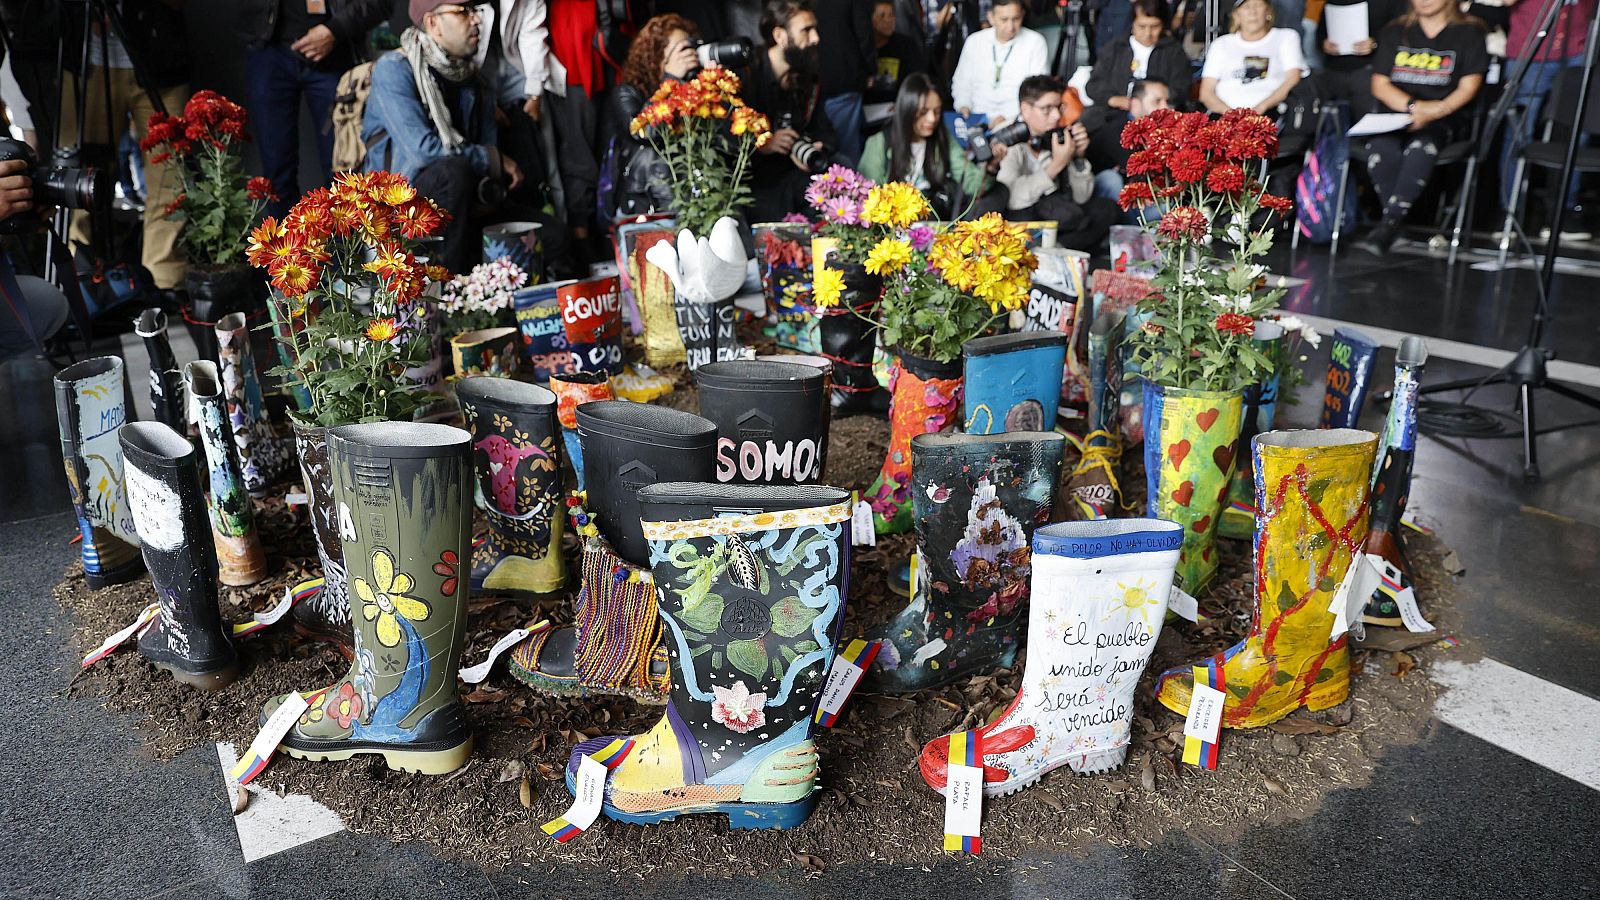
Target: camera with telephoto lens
[[733, 53], [805, 153], [1009, 135], [65, 184]]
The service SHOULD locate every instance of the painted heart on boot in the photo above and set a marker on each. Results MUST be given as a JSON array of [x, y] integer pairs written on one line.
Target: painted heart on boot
[[1208, 418], [1178, 453], [1201, 526], [1223, 457], [1184, 493]]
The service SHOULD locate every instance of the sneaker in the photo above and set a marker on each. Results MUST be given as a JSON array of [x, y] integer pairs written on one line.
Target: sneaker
[[1568, 233], [1379, 241]]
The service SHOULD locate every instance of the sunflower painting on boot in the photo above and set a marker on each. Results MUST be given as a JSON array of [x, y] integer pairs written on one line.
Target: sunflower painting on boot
[[977, 500], [752, 582], [1311, 519]]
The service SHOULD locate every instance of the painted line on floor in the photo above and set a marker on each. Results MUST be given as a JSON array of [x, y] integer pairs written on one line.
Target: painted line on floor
[[1475, 354], [1539, 721], [272, 824]]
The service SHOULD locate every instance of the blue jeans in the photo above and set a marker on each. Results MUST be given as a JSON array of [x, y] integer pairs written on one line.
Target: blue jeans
[[279, 78], [1536, 86], [1108, 184], [844, 111]]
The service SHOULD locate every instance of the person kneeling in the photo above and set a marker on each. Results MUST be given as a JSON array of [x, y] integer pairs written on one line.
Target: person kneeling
[[1048, 177]]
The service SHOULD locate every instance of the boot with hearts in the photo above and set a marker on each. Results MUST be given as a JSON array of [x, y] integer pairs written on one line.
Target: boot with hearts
[[1099, 597]]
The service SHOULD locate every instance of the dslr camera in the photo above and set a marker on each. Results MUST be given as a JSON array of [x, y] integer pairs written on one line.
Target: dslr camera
[[805, 153], [66, 184], [733, 53]]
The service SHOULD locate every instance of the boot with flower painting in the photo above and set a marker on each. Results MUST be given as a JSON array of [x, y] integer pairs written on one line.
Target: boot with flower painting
[[751, 581], [403, 495]]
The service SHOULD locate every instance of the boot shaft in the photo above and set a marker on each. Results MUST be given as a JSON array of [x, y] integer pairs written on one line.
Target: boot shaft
[[627, 446], [1013, 381], [263, 456], [772, 417], [1190, 446], [230, 505], [166, 381], [91, 405], [517, 464], [1391, 480], [331, 603], [751, 582], [403, 502], [1349, 375], [573, 389]]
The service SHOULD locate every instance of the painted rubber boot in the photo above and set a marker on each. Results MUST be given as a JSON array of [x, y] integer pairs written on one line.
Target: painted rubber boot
[[1391, 482], [848, 337], [518, 466], [1260, 410], [1099, 597], [188, 638], [166, 381], [91, 404], [927, 400], [573, 389], [752, 582], [404, 497], [324, 613], [773, 420], [614, 646], [1189, 454], [978, 499], [1012, 382], [240, 560], [1094, 487], [1351, 357], [1311, 493], [264, 455]]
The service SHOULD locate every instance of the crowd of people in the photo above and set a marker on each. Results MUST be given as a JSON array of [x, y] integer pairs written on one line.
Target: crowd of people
[[519, 109]]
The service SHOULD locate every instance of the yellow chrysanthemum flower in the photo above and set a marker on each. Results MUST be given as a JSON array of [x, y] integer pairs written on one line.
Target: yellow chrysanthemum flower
[[895, 205], [827, 287], [889, 256]]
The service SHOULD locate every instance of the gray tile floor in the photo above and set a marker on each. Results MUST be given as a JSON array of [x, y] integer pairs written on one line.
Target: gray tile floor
[[86, 813]]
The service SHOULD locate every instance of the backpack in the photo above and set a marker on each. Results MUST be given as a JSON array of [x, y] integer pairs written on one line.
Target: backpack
[[1316, 190], [349, 104]]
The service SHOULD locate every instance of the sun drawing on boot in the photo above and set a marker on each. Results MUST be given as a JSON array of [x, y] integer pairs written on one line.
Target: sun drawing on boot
[[1135, 598], [389, 599]]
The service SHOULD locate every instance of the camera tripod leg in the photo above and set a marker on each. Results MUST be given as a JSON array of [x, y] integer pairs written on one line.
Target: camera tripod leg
[[1586, 399], [1530, 441]]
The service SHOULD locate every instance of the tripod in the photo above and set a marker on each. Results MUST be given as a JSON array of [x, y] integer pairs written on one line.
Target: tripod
[[1070, 14], [1527, 370]]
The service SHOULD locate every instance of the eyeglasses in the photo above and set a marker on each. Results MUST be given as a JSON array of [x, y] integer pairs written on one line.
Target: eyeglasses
[[1046, 108], [470, 12]]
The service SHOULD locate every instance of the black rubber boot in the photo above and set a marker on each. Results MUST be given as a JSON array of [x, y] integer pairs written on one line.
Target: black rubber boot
[[848, 336], [91, 404], [1391, 486], [188, 638], [324, 614], [772, 417], [166, 380]]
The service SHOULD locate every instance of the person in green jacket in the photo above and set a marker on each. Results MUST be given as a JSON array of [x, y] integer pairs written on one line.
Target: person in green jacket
[[917, 148]]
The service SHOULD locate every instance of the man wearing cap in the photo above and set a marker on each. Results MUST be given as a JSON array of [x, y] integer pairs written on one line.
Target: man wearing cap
[[430, 117]]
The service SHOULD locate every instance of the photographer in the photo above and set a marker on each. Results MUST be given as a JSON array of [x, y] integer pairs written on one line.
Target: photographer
[[916, 148], [1048, 177], [430, 117], [31, 309], [783, 84], [663, 49]]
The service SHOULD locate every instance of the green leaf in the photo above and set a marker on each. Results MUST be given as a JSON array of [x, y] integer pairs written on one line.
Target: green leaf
[[705, 616], [748, 657], [790, 617]]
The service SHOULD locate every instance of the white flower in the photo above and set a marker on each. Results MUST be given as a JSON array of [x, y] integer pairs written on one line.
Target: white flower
[[737, 708], [1310, 336]]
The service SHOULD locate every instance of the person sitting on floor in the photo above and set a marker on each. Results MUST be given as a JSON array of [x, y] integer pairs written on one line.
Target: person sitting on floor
[[1109, 158], [918, 149], [1048, 177]]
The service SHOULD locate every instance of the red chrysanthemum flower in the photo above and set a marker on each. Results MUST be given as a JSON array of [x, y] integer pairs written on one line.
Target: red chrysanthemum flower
[[1277, 204], [1185, 223], [1236, 323], [1225, 177], [1187, 165], [1136, 194], [1143, 162], [260, 188]]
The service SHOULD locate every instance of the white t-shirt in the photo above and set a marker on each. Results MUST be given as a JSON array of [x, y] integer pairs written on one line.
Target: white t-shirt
[[1141, 58], [1248, 72], [919, 157], [988, 75]]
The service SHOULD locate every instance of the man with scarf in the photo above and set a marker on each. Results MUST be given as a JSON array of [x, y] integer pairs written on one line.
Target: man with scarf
[[430, 117]]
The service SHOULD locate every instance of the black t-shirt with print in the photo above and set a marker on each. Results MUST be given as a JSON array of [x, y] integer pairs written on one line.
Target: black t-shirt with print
[[1429, 68]]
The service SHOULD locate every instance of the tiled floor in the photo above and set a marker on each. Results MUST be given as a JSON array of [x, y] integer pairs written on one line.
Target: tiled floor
[[87, 814]]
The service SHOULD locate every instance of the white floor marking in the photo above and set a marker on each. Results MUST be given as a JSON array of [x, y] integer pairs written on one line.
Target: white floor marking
[[1490, 357], [1533, 718], [272, 824]]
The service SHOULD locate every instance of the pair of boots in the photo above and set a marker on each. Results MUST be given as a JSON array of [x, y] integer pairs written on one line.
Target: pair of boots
[[1100, 595]]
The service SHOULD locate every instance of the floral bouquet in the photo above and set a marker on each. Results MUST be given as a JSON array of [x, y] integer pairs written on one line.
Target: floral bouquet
[[839, 199], [691, 126], [218, 203], [348, 288], [482, 298], [1201, 316]]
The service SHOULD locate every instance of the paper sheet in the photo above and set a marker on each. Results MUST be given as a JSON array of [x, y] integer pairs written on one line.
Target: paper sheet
[[1346, 26], [1378, 123]]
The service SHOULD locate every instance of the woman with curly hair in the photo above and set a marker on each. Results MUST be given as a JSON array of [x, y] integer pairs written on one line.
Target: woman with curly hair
[[663, 49]]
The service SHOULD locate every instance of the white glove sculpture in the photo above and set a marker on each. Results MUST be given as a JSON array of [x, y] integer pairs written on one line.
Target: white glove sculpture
[[703, 270]]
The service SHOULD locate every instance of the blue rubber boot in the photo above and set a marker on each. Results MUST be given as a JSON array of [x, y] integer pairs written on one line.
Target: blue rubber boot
[[1349, 374], [1013, 381]]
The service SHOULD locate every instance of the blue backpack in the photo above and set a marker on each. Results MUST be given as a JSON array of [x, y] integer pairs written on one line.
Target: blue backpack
[[1316, 190]]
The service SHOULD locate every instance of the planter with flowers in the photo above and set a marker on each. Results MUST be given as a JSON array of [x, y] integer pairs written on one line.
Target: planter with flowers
[[942, 288], [1195, 346], [347, 291], [705, 136], [219, 205], [476, 309]]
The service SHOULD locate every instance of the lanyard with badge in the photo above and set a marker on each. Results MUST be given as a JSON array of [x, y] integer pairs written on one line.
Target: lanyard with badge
[[1000, 64]]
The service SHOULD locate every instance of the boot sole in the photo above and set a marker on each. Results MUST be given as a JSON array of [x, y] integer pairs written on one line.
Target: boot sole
[[1097, 763], [422, 762], [741, 816], [573, 688], [205, 681]]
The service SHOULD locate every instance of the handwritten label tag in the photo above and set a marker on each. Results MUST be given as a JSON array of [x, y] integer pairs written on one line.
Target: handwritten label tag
[[588, 791], [1182, 605], [862, 532], [1203, 724], [291, 596], [110, 644], [259, 753], [963, 795], [1354, 591], [848, 667], [296, 498], [1409, 613], [477, 673]]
